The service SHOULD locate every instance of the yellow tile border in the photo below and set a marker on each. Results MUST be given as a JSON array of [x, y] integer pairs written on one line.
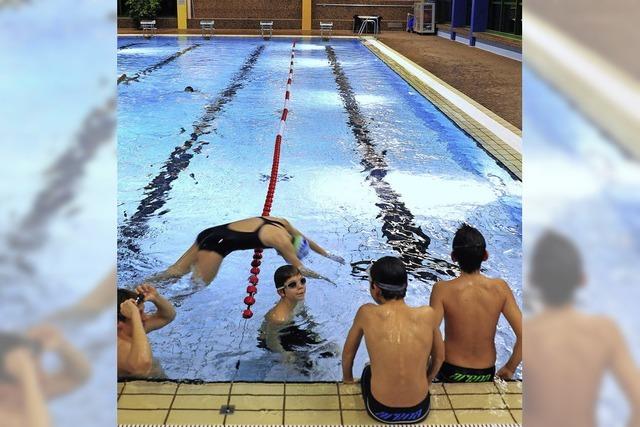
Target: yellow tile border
[[343, 405], [465, 121]]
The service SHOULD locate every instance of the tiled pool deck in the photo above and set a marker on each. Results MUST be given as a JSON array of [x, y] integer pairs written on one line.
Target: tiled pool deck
[[170, 403]]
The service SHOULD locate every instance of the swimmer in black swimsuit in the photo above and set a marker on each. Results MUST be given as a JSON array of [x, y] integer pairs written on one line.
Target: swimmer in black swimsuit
[[205, 256]]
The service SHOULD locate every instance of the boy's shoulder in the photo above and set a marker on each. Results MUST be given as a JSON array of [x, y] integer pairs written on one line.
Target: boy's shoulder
[[425, 311], [498, 283], [366, 308]]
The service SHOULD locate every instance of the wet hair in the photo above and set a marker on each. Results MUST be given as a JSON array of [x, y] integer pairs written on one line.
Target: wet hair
[[556, 268], [283, 274], [469, 247], [390, 271], [188, 89], [123, 295]]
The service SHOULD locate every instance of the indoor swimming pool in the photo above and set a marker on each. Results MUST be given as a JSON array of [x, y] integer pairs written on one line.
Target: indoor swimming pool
[[368, 168]]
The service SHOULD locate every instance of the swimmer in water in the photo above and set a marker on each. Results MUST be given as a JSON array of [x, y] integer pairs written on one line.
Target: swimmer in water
[[205, 256]]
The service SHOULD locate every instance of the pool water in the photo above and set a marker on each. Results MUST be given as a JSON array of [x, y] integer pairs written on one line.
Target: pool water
[[368, 168]]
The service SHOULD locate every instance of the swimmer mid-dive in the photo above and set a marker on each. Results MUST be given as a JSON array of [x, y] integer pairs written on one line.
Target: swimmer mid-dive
[[205, 256]]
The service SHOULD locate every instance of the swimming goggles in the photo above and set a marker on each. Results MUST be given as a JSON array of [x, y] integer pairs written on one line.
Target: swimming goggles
[[294, 284], [386, 286]]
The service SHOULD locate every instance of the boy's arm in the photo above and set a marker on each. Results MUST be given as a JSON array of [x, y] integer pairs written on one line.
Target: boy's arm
[[625, 371], [135, 359], [437, 354], [351, 346], [512, 313], [165, 311], [21, 364], [75, 368], [435, 301]]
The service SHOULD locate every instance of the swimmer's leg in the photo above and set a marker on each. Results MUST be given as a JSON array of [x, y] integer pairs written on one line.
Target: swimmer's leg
[[181, 267], [207, 265]]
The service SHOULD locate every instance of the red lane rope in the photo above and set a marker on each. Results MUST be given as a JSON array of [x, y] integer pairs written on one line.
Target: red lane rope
[[252, 288]]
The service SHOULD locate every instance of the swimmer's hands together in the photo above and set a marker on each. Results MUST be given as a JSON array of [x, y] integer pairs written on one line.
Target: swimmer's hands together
[[129, 309], [150, 293], [48, 336], [336, 258]]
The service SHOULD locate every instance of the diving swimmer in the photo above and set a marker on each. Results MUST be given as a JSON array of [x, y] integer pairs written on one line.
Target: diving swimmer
[[206, 254]]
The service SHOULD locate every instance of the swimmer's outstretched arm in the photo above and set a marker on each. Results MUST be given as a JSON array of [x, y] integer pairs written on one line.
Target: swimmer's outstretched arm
[[313, 245], [288, 252]]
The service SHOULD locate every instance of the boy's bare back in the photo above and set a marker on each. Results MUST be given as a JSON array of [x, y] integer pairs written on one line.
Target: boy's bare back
[[471, 305], [398, 340]]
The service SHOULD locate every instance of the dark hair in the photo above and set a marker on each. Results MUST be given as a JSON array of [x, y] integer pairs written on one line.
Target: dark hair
[[283, 274], [556, 268], [123, 295], [390, 271], [469, 247]]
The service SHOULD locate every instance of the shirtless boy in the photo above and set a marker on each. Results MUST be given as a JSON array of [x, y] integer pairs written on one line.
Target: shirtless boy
[[471, 305], [404, 346], [134, 350]]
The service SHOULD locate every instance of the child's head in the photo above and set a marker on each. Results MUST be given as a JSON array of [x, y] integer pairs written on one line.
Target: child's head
[[556, 269], [126, 294], [289, 282], [390, 277], [469, 249]]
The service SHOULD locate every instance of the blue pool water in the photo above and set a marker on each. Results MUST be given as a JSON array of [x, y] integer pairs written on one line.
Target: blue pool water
[[368, 168]]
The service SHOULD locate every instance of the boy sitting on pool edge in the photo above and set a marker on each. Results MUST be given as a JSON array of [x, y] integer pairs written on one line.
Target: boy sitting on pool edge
[[404, 345], [471, 305]]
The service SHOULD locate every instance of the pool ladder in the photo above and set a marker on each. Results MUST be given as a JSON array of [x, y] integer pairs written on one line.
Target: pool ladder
[[363, 26]]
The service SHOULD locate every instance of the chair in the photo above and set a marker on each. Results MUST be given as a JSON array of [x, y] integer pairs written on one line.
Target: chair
[[148, 27], [207, 27], [266, 27], [326, 28]]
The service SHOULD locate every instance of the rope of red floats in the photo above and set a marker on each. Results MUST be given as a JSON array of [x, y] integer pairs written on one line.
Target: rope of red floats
[[252, 289]]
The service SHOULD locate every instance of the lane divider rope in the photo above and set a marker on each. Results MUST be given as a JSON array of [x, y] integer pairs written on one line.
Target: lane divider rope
[[252, 288]]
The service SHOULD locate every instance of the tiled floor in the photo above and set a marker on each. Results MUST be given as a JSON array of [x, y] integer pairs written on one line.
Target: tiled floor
[[493, 144], [157, 403]]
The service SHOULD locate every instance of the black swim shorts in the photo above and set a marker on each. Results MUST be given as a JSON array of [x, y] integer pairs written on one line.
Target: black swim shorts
[[388, 415], [455, 374]]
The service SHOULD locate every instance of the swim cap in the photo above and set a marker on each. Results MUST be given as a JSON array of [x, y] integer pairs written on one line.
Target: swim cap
[[301, 246]]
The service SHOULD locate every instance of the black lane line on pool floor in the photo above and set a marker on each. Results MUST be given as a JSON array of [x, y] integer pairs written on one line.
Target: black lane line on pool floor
[[57, 196], [125, 79], [125, 46], [404, 236], [157, 190]]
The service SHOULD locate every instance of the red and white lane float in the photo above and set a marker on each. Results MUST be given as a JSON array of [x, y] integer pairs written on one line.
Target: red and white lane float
[[252, 288]]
